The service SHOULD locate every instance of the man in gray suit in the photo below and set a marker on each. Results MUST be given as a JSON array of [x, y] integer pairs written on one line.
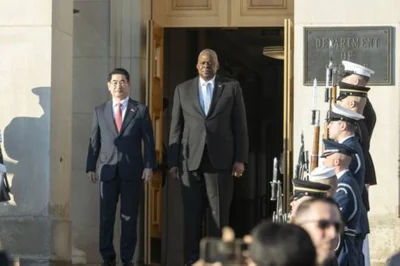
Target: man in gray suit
[[119, 128], [208, 144]]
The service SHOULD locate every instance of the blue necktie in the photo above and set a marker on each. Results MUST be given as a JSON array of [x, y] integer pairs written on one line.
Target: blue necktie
[[207, 98]]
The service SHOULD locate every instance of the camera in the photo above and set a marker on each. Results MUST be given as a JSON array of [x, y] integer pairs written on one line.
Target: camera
[[227, 252]]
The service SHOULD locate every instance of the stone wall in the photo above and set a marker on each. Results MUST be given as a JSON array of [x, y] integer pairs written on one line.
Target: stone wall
[[384, 198], [35, 116]]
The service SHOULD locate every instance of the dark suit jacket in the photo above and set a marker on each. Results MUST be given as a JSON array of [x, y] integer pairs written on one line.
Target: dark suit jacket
[[223, 130], [121, 151]]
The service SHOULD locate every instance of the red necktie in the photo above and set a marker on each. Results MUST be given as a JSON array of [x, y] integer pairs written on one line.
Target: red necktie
[[118, 118]]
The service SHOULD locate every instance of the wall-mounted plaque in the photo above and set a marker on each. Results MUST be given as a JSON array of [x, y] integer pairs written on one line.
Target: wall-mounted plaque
[[368, 46]]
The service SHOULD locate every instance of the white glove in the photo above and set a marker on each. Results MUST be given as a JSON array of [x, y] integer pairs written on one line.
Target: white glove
[[2, 169]]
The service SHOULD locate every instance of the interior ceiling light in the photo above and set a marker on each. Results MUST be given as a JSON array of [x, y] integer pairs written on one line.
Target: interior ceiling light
[[275, 52]]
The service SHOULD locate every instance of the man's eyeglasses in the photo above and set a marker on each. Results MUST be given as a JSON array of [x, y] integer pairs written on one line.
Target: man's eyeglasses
[[325, 224]]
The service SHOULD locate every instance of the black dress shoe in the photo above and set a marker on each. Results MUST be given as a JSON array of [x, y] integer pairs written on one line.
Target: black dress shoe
[[109, 262]]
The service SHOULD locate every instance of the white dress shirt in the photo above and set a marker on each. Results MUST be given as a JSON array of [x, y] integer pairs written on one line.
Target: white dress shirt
[[203, 90], [124, 106]]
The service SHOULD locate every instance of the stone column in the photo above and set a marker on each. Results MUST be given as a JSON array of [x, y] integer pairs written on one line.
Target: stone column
[[107, 34], [128, 41], [128, 26], [35, 115], [90, 70]]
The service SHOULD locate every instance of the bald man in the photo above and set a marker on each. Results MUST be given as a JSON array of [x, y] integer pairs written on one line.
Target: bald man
[[208, 147]]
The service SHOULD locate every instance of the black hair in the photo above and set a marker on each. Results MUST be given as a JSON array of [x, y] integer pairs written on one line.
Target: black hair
[[276, 244], [121, 71]]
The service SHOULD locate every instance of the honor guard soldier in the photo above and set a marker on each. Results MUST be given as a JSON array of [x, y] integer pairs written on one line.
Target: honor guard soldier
[[304, 190], [348, 196], [342, 126], [353, 95], [319, 215], [325, 175]]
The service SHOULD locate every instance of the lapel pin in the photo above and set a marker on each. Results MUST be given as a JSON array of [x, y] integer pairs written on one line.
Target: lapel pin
[[132, 110]]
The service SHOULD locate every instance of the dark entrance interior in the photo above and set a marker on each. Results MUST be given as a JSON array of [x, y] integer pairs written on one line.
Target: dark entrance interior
[[240, 54]]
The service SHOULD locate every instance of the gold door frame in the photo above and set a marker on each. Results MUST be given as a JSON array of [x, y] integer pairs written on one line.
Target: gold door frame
[[154, 99], [288, 99], [151, 96]]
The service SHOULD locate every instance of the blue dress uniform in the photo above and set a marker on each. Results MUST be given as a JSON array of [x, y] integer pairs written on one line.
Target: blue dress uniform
[[363, 225], [362, 137], [348, 197], [357, 167], [366, 126]]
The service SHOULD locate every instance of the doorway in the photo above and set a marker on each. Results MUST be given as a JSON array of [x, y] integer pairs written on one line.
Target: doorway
[[240, 54]]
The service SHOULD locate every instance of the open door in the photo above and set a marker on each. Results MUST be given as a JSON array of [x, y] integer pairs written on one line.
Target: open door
[[154, 99], [287, 155]]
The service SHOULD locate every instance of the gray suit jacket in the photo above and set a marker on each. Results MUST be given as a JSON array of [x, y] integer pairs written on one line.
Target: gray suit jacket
[[223, 129], [122, 152]]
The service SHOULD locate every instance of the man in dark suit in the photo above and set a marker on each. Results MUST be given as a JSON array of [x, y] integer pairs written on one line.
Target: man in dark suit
[[119, 128], [208, 144]]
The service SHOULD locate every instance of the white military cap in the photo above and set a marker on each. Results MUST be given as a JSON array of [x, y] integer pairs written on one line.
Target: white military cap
[[321, 173], [340, 113], [354, 68], [2, 169]]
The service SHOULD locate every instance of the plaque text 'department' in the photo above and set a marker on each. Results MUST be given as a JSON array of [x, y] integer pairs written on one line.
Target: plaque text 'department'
[[368, 46]]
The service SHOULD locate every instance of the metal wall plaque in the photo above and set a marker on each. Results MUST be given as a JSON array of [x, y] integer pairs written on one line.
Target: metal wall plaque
[[368, 46]]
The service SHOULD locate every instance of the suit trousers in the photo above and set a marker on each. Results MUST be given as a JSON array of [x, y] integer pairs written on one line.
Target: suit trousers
[[203, 189], [130, 193]]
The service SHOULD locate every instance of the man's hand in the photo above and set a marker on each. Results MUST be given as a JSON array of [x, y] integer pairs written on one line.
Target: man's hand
[[174, 172], [92, 177], [237, 169], [147, 174]]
